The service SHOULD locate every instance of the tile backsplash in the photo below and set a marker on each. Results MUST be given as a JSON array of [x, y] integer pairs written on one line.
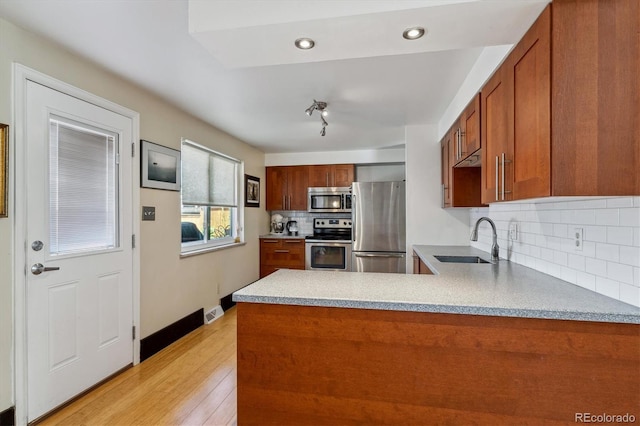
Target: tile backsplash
[[305, 219], [608, 262]]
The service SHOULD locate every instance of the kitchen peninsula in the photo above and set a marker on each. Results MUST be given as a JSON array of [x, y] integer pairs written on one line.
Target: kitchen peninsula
[[473, 343]]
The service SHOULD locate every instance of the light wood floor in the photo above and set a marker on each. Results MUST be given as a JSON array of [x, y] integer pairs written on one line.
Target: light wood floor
[[191, 382]]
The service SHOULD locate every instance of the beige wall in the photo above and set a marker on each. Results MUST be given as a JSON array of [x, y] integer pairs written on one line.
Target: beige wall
[[171, 287]]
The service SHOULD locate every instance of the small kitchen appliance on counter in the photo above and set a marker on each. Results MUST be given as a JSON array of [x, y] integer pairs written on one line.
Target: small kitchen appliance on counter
[[277, 224], [292, 227], [329, 248]]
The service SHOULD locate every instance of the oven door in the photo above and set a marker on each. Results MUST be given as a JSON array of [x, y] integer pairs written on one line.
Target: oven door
[[328, 256]]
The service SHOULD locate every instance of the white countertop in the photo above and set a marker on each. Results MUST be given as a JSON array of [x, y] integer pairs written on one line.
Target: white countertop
[[501, 289], [284, 235]]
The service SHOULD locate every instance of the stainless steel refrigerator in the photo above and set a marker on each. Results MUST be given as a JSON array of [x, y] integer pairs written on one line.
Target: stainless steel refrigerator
[[379, 223]]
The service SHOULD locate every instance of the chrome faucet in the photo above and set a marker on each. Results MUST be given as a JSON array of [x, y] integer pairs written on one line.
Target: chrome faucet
[[495, 250]]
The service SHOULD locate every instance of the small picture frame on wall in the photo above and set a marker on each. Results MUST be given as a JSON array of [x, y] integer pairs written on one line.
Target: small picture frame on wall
[[159, 167], [252, 191], [4, 169]]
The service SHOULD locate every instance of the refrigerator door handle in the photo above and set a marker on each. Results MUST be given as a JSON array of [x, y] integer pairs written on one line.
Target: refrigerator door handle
[[379, 255], [353, 217]]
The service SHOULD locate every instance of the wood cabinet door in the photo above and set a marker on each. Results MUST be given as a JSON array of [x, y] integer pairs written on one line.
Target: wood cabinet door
[[493, 130], [324, 175], [596, 106], [276, 184], [470, 124], [320, 175], [297, 185], [530, 112], [343, 174]]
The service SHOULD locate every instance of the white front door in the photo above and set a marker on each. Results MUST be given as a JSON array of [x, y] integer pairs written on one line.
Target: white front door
[[79, 294]]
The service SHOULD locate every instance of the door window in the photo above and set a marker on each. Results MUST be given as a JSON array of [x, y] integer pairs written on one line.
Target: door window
[[83, 179]]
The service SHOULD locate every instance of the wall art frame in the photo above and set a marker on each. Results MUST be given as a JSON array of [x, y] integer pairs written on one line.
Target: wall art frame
[[251, 191], [160, 167]]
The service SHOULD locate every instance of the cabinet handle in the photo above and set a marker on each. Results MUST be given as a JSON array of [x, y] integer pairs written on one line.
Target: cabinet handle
[[497, 185], [327, 174], [292, 241], [444, 188], [504, 161], [460, 135], [281, 251], [270, 241]]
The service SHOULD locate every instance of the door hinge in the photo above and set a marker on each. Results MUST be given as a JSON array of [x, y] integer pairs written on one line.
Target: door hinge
[[133, 333], [133, 241], [133, 149]]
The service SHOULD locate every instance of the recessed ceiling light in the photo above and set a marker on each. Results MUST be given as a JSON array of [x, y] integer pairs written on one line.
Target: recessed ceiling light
[[304, 43], [413, 33]]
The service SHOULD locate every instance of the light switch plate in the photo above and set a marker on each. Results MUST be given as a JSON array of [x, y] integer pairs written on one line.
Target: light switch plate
[[148, 213], [513, 231]]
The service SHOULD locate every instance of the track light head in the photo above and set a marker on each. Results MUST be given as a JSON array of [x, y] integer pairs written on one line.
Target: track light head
[[320, 106]]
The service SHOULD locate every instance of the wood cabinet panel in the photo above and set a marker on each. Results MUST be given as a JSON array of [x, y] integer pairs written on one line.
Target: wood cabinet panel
[[315, 365], [470, 121], [287, 187], [343, 174], [494, 132], [297, 187], [466, 132], [276, 253], [276, 184], [327, 175], [596, 106], [529, 110]]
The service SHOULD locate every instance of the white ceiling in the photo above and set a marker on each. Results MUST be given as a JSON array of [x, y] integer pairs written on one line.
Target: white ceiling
[[234, 65]]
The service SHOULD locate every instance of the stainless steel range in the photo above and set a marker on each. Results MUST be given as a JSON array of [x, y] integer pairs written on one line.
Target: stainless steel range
[[329, 248]]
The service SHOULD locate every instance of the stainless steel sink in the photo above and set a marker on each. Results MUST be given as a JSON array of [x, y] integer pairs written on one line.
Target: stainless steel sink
[[460, 259]]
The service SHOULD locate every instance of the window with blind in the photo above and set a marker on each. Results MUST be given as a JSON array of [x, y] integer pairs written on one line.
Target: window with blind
[[210, 182], [83, 183]]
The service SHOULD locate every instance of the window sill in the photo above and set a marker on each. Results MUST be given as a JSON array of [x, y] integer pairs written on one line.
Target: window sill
[[197, 251]]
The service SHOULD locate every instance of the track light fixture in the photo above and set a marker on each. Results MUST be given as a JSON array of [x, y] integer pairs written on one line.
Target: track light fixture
[[320, 106]]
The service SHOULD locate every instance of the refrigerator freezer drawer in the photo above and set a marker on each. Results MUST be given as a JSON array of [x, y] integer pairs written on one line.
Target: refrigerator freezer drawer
[[378, 262]]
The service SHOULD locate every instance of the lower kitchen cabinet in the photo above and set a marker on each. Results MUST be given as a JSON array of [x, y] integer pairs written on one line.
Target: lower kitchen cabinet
[[322, 365], [277, 253], [419, 267]]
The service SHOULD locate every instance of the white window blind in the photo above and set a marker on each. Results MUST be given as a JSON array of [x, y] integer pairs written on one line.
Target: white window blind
[[83, 183], [208, 178]]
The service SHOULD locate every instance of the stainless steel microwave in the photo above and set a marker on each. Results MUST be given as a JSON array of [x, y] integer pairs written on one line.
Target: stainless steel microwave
[[329, 200]]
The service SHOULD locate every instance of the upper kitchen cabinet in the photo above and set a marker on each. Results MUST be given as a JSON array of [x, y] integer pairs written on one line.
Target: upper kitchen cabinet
[[467, 135], [287, 187], [326, 175], [516, 122], [493, 133], [560, 116], [460, 185], [596, 108]]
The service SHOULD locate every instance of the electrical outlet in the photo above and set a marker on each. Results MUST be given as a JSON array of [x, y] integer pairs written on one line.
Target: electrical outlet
[[513, 231], [577, 238]]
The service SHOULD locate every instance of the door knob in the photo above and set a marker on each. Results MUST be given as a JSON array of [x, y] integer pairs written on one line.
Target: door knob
[[39, 268]]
